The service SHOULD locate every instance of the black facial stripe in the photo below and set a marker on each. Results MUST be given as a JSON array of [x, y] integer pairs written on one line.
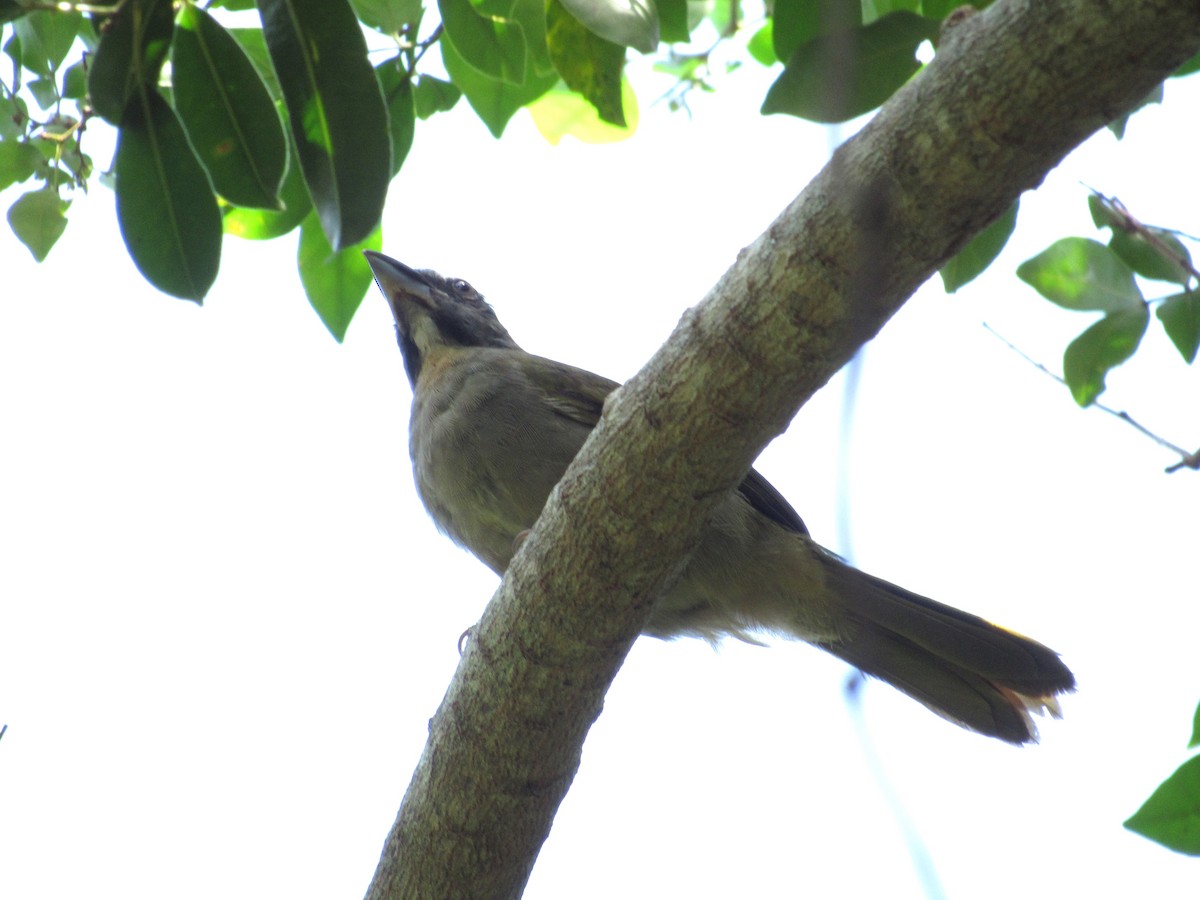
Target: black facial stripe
[[455, 326], [411, 354]]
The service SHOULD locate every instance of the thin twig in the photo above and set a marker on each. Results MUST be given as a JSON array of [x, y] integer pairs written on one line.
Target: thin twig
[[1187, 460], [414, 50], [1150, 234]]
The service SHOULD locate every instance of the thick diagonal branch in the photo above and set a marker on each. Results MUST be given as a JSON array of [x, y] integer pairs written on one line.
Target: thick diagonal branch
[[1011, 92]]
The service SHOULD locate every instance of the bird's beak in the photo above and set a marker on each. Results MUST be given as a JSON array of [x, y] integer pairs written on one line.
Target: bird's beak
[[398, 282]]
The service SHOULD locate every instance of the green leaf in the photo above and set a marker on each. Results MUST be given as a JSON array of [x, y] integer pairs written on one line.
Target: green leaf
[[74, 81], [79, 165], [588, 63], [1103, 214], [12, 49], [130, 55], [432, 95], [492, 45], [335, 281], [1104, 345], [724, 18], [46, 39], [227, 112], [1180, 316], [15, 119], [530, 15], [1078, 273], [336, 111], [835, 77], [796, 22], [38, 220], [495, 102], [1171, 815], [265, 224], [1194, 741], [761, 46], [673, 21], [980, 251], [877, 9], [1153, 254], [388, 16], [560, 112], [254, 44], [165, 206], [44, 90], [18, 160], [398, 95], [627, 23]]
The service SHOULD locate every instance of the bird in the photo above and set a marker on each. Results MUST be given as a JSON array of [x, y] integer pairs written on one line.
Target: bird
[[493, 428]]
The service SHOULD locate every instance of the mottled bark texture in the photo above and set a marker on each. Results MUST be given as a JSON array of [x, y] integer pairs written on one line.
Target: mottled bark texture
[[1012, 91]]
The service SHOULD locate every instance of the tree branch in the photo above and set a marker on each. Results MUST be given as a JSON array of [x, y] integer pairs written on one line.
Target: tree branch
[[1011, 91], [1186, 460]]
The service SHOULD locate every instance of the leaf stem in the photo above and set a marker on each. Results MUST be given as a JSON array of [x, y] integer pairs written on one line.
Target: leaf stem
[[1186, 460]]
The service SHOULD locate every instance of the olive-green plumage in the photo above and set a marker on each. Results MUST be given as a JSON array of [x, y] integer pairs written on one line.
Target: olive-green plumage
[[493, 428]]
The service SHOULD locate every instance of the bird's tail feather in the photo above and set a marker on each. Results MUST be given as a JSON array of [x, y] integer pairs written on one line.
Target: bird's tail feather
[[964, 668]]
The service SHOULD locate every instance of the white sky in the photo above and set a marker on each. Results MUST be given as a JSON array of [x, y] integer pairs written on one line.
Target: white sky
[[226, 619]]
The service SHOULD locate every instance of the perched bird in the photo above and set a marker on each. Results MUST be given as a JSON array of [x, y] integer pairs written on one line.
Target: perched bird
[[493, 429]]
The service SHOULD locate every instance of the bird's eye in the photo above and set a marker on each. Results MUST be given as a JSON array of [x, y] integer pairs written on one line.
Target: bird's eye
[[460, 286]]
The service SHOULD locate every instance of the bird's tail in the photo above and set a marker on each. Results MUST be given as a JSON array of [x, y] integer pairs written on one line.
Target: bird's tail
[[964, 668]]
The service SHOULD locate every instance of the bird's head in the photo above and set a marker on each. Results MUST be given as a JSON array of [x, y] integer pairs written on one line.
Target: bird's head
[[432, 311]]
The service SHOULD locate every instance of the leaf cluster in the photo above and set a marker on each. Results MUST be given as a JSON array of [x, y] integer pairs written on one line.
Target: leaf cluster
[[1085, 275], [255, 130]]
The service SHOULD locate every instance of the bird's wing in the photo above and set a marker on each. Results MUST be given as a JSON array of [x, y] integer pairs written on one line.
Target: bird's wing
[[575, 394], [579, 395], [763, 496]]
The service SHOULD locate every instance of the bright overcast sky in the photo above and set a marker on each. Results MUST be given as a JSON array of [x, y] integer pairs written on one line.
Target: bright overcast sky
[[227, 619]]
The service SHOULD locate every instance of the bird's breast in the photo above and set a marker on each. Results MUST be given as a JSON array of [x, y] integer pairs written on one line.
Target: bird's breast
[[481, 451]]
